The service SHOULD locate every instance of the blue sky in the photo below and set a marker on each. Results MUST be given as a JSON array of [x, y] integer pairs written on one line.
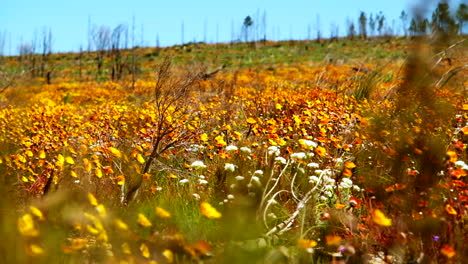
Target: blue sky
[[285, 19]]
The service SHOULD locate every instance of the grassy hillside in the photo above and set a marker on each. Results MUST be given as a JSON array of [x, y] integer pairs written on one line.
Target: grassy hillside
[[275, 152]]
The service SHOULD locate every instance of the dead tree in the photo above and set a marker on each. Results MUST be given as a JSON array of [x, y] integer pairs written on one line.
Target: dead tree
[[173, 109], [101, 40], [119, 40]]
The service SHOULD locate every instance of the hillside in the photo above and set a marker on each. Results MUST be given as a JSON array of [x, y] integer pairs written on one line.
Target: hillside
[[267, 152]]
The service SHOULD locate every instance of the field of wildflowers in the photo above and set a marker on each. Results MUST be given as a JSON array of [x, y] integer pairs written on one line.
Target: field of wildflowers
[[296, 161]]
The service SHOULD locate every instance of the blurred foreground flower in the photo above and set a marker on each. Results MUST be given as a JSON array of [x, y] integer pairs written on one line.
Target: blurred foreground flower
[[380, 219], [447, 251], [209, 211], [307, 244], [143, 221], [26, 226]]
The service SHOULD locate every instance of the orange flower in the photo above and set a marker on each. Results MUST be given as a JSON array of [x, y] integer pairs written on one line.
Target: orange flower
[[347, 173], [450, 210], [333, 240], [350, 165], [306, 243], [447, 251], [452, 156], [339, 206]]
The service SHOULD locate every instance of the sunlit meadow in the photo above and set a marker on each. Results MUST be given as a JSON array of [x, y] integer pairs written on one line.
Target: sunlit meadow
[[246, 153]]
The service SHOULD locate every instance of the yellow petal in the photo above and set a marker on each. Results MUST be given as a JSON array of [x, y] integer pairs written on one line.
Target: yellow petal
[[21, 158], [101, 210], [126, 248], [450, 210], [69, 160], [251, 121], [143, 221], [115, 152], [87, 165], [98, 172], [350, 165], [209, 211], [204, 137], [144, 250], [92, 199], [92, 230], [306, 244], [120, 180], [168, 255], [140, 159], [120, 224], [60, 160], [35, 250], [26, 226], [35, 211], [78, 243], [380, 219], [162, 213]]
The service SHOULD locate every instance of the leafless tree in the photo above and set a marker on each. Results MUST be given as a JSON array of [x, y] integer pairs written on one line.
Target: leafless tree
[[133, 54], [317, 28], [173, 108], [351, 29], [334, 32], [80, 64], [46, 45], [101, 40], [362, 25], [2, 43], [118, 43]]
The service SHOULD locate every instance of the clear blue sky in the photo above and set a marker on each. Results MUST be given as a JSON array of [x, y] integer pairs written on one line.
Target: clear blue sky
[[285, 19]]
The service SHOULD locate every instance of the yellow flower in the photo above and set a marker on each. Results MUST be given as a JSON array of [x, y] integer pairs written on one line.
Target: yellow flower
[[380, 219], [120, 224], [209, 211], [321, 151], [115, 152], [204, 137], [219, 141], [140, 159], [35, 250], [35, 211], [162, 213], [144, 250], [92, 199], [26, 226], [69, 160], [143, 221], [98, 172]]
